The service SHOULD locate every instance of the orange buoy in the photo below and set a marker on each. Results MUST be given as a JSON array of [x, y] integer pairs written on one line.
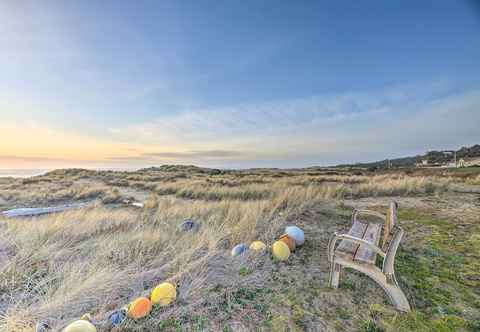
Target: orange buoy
[[289, 241], [139, 308]]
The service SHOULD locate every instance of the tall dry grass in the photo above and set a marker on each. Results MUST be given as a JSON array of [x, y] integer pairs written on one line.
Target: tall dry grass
[[473, 180], [64, 265], [329, 187], [51, 193]]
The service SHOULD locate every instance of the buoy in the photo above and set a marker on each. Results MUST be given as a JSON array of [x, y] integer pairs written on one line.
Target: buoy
[[280, 250], [139, 308], [188, 225], [239, 249], [117, 317], [80, 326], [296, 233], [42, 326], [86, 316], [164, 294], [258, 245], [289, 241]]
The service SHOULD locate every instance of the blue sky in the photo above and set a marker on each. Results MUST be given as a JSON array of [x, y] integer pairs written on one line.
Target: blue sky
[[235, 83]]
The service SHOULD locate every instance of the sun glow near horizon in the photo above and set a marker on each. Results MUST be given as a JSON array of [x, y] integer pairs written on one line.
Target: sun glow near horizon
[[31, 146]]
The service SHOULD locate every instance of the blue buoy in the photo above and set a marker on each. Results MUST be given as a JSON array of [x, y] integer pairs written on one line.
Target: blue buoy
[[117, 317], [239, 249]]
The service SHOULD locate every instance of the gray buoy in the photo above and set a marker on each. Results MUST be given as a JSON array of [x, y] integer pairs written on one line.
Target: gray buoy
[[42, 326], [188, 225]]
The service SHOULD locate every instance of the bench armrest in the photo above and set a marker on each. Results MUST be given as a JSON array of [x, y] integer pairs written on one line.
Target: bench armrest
[[368, 212], [348, 237]]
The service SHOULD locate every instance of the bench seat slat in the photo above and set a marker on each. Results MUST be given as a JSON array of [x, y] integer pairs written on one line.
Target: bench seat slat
[[347, 247], [372, 235]]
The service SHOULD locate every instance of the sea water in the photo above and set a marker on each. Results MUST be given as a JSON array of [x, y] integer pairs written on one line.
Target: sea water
[[21, 173]]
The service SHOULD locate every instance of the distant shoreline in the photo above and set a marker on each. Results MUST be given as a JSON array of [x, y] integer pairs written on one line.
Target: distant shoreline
[[26, 173], [21, 173]]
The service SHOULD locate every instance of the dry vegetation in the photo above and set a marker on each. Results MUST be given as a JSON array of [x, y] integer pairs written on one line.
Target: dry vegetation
[[60, 266]]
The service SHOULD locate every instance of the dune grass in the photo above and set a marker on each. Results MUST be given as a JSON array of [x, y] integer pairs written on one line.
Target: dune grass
[[67, 264], [98, 258]]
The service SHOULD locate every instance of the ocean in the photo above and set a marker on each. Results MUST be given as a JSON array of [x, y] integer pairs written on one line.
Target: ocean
[[21, 173], [25, 173]]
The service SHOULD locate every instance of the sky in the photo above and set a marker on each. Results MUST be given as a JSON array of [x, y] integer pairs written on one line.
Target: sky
[[235, 84]]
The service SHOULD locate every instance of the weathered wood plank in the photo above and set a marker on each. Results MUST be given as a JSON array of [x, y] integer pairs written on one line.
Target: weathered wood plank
[[372, 235], [390, 223], [29, 212], [357, 230]]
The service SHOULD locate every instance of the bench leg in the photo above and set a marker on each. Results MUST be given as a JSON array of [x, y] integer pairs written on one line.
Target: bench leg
[[398, 298], [334, 274], [386, 281]]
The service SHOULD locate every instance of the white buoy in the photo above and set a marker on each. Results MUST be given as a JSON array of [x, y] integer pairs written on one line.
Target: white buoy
[[239, 249], [296, 233]]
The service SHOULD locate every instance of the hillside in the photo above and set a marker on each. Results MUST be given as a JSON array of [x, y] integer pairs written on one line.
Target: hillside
[[433, 157]]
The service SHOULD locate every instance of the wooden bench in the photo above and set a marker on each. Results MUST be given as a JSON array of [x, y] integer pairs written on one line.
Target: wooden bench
[[358, 249]]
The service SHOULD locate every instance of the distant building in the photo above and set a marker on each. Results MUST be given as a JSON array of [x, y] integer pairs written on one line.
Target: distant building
[[472, 162]]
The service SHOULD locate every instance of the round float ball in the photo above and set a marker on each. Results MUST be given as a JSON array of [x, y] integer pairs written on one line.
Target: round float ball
[[139, 308], [117, 317], [188, 225], [289, 241], [164, 294], [280, 250], [80, 326], [239, 249], [296, 233], [42, 326], [258, 245]]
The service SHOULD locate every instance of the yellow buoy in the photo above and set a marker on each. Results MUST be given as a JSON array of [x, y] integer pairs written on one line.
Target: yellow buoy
[[280, 250], [289, 241], [164, 294], [80, 326], [258, 245], [139, 308]]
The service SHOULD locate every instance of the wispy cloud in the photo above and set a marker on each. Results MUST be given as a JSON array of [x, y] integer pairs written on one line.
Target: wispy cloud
[[187, 155], [197, 154], [26, 159], [320, 129]]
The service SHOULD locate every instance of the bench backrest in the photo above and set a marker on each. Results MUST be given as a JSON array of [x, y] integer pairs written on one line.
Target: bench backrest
[[390, 223], [392, 235]]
